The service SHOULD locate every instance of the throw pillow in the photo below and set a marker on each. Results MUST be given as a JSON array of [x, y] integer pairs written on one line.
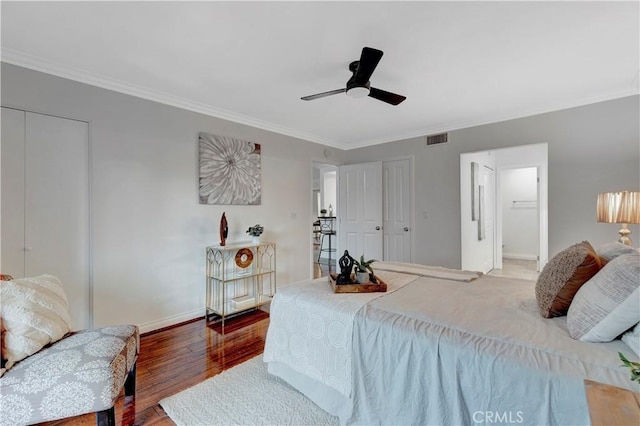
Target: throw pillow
[[563, 276], [632, 339], [610, 251], [35, 313], [609, 303]]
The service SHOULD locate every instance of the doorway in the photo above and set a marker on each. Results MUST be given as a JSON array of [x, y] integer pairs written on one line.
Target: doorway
[[514, 167], [519, 209], [324, 213]]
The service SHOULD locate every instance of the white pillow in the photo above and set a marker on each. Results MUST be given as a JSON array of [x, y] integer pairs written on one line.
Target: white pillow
[[609, 303], [610, 251], [35, 313], [632, 339]]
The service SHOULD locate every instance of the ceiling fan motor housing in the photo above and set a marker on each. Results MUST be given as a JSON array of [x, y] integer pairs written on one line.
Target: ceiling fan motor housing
[[356, 89]]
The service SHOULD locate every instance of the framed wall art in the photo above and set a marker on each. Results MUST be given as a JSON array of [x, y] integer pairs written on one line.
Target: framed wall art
[[230, 171]]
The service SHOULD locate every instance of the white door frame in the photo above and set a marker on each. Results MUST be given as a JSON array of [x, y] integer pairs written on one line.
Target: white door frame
[[543, 206]]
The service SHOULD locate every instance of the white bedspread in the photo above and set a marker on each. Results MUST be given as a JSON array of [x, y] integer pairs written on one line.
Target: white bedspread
[[444, 352], [436, 351], [311, 328]]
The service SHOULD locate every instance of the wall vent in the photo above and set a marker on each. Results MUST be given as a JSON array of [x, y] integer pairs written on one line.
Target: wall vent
[[437, 139]]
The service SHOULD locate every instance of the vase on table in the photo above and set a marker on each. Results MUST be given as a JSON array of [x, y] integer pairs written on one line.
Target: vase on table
[[362, 277], [255, 240]]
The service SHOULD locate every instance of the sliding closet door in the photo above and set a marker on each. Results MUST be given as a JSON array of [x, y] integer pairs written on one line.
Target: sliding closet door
[[45, 203]]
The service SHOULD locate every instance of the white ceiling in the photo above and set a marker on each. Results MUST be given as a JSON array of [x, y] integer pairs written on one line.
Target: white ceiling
[[459, 63]]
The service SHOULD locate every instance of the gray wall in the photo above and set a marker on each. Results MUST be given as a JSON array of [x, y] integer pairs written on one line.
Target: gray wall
[[592, 149], [149, 232]]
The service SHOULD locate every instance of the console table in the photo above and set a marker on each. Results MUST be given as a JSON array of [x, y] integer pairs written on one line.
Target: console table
[[239, 277]]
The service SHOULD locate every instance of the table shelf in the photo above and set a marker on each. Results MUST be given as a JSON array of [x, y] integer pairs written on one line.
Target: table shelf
[[239, 277]]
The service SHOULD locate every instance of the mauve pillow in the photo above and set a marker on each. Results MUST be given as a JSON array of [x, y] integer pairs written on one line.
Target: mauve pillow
[[563, 276]]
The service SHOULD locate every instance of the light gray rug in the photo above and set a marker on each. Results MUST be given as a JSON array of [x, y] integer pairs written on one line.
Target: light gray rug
[[244, 395]]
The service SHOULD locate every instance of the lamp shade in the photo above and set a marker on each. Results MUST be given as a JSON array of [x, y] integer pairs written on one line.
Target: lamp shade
[[619, 207], [608, 206], [629, 209]]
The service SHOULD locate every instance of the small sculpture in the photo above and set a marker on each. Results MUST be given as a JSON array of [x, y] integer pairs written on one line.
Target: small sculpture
[[346, 266], [224, 229]]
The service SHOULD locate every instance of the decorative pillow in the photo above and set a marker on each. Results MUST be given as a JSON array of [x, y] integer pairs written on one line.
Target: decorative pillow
[[35, 313], [632, 339], [610, 251], [609, 303], [563, 276]]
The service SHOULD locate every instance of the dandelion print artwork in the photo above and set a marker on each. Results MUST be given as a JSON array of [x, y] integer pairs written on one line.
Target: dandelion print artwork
[[229, 171]]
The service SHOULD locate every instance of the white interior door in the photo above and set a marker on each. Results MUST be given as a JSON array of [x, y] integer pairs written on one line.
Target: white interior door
[[397, 192], [50, 228], [360, 218], [477, 214]]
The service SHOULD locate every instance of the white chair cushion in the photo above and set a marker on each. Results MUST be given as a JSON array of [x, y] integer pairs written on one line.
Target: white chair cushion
[[35, 313]]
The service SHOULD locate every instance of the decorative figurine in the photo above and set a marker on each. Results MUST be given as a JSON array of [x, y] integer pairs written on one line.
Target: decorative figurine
[[224, 229], [346, 266]]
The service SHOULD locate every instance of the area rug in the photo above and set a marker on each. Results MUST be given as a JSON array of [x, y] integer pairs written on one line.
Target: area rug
[[244, 395]]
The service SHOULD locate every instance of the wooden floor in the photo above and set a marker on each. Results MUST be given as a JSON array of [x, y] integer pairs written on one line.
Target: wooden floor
[[174, 359], [179, 357]]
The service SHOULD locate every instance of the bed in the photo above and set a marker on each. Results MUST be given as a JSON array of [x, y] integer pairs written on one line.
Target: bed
[[439, 347]]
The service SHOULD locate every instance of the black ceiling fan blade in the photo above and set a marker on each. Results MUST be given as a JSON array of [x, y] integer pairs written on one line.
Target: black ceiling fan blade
[[368, 62], [323, 94], [384, 96]]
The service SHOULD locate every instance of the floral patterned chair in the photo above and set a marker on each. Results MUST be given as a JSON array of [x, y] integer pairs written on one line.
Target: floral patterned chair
[[80, 372]]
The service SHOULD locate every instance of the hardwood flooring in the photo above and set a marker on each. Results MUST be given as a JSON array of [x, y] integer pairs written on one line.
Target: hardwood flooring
[[179, 357]]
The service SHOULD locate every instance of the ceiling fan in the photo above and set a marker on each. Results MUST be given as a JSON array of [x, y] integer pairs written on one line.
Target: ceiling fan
[[359, 85]]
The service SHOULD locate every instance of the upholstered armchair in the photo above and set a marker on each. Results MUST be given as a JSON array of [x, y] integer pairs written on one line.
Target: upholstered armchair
[[71, 373]]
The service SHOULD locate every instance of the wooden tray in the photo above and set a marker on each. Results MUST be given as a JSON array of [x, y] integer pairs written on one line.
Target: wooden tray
[[370, 287]]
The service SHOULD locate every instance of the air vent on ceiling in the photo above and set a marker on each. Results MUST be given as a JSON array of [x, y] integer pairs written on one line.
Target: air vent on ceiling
[[437, 139]]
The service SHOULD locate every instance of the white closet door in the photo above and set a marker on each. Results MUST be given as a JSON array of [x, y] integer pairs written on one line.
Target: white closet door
[[57, 206], [360, 226], [397, 192], [12, 187], [45, 203]]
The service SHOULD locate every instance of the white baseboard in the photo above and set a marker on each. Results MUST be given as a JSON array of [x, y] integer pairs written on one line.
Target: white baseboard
[[167, 321], [519, 256]]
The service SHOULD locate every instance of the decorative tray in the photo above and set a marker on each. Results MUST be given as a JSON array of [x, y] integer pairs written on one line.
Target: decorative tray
[[354, 287]]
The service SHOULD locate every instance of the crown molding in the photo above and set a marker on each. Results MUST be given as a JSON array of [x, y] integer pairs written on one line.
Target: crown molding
[[24, 60], [464, 124]]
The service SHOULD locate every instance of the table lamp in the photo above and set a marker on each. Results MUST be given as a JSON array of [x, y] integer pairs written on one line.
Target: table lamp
[[619, 207]]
